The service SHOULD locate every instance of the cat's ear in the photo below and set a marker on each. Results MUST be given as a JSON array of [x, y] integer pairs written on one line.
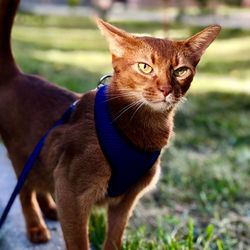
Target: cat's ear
[[119, 40], [199, 42]]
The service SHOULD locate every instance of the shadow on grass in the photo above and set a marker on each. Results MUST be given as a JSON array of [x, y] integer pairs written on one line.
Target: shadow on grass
[[54, 21], [222, 68], [226, 33], [221, 117], [71, 77], [95, 43]]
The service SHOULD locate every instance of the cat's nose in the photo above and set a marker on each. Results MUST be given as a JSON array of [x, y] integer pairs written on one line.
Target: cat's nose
[[165, 90]]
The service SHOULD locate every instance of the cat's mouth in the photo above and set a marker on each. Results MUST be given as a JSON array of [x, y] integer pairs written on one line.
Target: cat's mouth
[[159, 101], [164, 99], [163, 103]]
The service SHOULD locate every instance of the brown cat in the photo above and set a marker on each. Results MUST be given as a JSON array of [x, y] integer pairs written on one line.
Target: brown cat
[[150, 77]]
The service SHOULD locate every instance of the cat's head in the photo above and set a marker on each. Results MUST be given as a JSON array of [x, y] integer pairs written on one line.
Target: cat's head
[[156, 71]]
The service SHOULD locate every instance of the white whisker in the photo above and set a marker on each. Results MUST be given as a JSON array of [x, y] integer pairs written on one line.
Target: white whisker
[[117, 96], [183, 99], [125, 109], [130, 104], [137, 109]]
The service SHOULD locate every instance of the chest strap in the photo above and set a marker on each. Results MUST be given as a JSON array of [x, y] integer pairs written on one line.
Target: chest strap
[[128, 162]]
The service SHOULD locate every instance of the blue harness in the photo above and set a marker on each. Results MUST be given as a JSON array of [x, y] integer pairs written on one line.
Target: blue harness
[[128, 163]]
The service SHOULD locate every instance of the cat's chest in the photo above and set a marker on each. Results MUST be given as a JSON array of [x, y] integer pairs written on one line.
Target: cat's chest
[[128, 163]]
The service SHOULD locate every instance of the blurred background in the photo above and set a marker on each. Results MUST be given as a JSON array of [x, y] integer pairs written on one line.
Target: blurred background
[[203, 198]]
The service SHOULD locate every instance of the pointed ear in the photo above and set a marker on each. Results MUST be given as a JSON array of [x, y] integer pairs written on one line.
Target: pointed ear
[[199, 42], [119, 40]]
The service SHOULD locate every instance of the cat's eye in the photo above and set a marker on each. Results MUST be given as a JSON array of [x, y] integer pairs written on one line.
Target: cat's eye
[[145, 68], [181, 72]]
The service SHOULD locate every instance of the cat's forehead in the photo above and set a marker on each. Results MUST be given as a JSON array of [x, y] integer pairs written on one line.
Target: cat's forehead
[[156, 43], [164, 50]]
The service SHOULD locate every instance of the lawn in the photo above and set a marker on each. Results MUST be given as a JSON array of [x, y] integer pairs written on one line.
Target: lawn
[[203, 198]]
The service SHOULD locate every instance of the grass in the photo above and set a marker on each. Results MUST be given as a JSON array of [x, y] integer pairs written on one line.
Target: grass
[[203, 198]]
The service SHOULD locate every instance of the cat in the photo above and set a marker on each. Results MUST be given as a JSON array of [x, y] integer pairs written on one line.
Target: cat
[[150, 78]]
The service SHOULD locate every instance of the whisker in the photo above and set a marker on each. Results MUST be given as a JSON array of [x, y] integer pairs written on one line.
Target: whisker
[[117, 96], [127, 90], [137, 109], [125, 109], [124, 91], [129, 106], [121, 110], [183, 99]]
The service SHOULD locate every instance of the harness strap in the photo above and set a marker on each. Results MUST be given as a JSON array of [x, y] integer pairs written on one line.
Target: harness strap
[[31, 161], [128, 162]]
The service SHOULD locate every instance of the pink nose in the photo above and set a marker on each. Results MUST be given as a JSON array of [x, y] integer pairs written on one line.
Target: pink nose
[[165, 90]]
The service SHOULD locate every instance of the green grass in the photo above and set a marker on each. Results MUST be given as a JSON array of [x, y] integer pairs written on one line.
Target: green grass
[[203, 198]]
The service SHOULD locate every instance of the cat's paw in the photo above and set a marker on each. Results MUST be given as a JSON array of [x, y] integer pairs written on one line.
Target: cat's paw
[[38, 234]]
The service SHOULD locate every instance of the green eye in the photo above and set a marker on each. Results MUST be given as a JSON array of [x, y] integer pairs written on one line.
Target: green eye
[[180, 72], [145, 68]]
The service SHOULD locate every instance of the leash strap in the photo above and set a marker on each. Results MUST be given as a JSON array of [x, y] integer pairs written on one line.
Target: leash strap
[[31, 161]]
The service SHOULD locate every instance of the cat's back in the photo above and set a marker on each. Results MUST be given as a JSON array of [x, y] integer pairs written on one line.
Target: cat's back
[[29, 105], [81, 127]]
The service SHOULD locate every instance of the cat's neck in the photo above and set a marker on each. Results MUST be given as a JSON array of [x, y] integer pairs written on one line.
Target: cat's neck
[[144, 127]]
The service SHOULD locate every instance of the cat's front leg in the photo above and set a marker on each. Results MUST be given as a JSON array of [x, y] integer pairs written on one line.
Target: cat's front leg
[[120, 209], [119, 212], [73, 211]]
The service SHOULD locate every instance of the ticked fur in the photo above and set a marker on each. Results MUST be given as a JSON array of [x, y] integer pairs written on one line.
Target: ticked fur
[[72, 167]]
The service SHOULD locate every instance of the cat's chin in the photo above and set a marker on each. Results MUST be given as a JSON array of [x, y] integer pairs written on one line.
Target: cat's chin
[[165, 104], [160, 105]]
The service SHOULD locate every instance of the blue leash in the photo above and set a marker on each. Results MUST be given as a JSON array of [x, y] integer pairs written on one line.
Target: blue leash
[[31, 160]]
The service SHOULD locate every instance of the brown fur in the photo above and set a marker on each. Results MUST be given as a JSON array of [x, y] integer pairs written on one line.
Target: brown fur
[[72, 165]]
